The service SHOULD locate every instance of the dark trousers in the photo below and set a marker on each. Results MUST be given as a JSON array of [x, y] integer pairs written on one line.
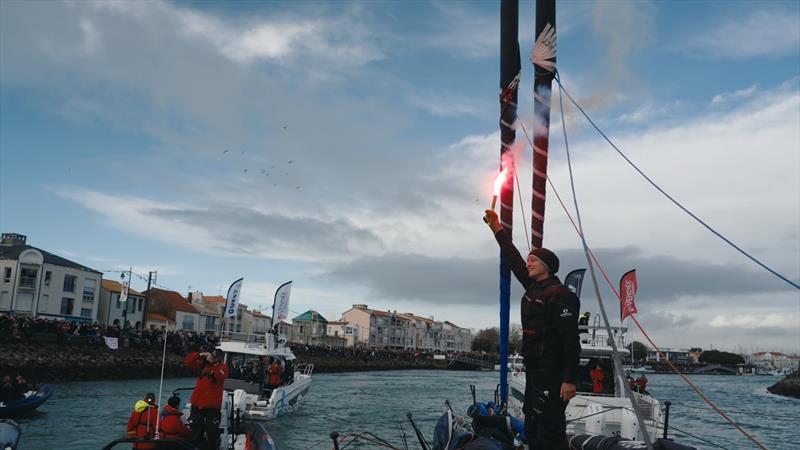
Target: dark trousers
[[545, 424], [205, 428]]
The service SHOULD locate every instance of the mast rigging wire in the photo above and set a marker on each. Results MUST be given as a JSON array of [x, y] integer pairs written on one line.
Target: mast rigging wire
[[663, 192], [633, 316]]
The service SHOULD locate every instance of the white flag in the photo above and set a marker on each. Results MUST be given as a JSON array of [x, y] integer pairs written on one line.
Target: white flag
[[280, 308], [123, 294], [112, 343], [232, 300]]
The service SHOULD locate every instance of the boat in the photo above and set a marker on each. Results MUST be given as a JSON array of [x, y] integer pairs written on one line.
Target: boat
[[253, 397], [30, 401], [608, 413], [236, 434], [9, 434]]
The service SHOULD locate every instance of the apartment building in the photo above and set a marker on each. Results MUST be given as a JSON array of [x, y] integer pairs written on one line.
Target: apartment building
[[38, 283], [169, 306], [112, 311]]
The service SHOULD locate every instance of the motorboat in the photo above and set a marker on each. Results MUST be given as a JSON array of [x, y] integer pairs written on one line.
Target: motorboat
[[28, 402], [9, 434], [248, 358], [235, 433], [607, 413]]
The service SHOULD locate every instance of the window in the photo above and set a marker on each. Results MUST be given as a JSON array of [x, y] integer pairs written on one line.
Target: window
[[211, 323], [27, 277], [69, 283], [44, 300], [88, 289], [86, 312], [141, 302], [187, 323], [66, 305], [119, 304], [239, 328], [7, 275], [47, 276]]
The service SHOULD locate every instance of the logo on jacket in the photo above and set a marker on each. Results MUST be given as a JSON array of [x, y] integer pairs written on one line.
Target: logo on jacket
[[565, 313]]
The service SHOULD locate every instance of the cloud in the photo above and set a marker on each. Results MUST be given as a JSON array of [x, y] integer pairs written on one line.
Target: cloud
[[751, 321], [468, 32], [735, 95], [450, 105], [764, 33]]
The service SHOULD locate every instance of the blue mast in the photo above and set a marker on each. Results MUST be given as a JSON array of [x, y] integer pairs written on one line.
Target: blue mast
[[509, 81]]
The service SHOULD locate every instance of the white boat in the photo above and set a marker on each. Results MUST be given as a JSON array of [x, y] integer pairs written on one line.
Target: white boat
[[608, 413], [253, 397]]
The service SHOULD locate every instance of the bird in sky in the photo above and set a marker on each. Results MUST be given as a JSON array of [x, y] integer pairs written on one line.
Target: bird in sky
[[244, 171], [225, 151]]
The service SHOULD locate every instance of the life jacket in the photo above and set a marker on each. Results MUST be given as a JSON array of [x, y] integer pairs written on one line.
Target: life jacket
[[274, 372], [171, 426], [142, 424], [538, 310]]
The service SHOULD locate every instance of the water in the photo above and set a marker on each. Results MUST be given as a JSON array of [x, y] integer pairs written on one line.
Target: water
[[87, 415]]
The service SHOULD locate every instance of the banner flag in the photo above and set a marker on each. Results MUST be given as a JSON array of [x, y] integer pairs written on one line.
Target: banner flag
[[232, 299], [574, 281], [280, 307], [112, 343], [627, 294], [123, 294]]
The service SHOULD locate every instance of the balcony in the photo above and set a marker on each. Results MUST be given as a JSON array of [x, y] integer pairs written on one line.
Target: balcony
[[27, 282]]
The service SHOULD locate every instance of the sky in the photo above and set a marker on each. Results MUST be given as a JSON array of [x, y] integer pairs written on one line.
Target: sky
[[350, 147]]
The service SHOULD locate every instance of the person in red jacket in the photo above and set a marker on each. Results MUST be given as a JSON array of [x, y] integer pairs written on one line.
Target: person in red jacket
[[204, 417], [142, 423], [274, 374], [597, 377], [171, 426]]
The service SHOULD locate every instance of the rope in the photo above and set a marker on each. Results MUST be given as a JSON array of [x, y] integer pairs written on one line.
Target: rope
[[663, 192], [694, 436], [742, 411], [633, 317]]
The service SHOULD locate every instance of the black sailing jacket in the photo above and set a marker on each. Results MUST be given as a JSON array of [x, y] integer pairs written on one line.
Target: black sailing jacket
[[549, 313]]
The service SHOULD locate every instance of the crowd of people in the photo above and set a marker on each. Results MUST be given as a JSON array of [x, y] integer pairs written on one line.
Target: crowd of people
[[25, 329], [367, 354]]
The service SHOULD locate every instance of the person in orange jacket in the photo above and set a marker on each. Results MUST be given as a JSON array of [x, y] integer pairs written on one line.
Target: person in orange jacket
[[597, 377], [274, 374], [205, 416], [171, 426], [142, 423]]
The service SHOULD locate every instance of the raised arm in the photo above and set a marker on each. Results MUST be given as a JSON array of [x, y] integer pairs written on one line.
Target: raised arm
[[514, 259]]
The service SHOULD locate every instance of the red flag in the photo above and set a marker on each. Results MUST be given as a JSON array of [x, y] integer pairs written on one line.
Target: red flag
[[627, 294]]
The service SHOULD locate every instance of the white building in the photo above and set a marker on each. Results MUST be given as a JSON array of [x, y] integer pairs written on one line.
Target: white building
[[210, 311], [768, 361], [38, 283], [111, 310]]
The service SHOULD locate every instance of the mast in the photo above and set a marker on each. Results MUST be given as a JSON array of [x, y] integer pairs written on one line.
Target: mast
[[544, 59], [509, 80]]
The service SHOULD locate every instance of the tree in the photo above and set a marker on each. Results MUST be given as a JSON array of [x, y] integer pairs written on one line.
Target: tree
[[487, 340], [638, 351], [718, 357], [515, 339]]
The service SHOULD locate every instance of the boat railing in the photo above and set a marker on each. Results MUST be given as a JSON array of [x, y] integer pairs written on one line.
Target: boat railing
[[598, 336], [305, 369]]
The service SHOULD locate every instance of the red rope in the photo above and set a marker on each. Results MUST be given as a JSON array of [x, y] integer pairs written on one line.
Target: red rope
[[647, 336]]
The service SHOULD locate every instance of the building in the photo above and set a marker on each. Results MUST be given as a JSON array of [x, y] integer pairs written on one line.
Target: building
[[358, 318], [260, 323], [286, 330], [678, 356], [210, 311], [456, 339], [769, 361], [170, 305], [427, 334], [388, 329], [111, 311], [310, 328], [40, 284]]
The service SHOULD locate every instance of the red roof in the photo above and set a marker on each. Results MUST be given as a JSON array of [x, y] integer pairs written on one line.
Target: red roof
[[213, 299], [167, 303], [156, 317], [115, 286]]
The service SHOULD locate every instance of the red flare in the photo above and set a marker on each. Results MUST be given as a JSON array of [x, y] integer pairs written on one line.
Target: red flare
[[498, 185]]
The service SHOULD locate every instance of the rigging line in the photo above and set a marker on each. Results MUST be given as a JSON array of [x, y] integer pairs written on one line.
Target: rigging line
[[662, 191], [741, 411], [694, 436], [617, 362], [641, 328], [519, 191]]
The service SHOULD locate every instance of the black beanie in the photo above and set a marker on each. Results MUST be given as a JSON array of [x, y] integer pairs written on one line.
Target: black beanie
[[548, 258], [174, 401]]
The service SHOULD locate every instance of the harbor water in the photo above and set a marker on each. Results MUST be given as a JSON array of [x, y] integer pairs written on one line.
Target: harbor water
[[88, 415]]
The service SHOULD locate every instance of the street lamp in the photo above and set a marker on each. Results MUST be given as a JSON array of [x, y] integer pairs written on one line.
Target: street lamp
[[125, 303]]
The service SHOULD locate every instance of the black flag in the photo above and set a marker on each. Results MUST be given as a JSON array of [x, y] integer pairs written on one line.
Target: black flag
[[574, 281]]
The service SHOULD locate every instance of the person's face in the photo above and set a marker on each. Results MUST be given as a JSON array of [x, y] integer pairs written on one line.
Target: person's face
[[536, 268]]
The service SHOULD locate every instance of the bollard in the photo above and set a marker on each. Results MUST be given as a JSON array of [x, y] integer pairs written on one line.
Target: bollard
[[335, 438], [666, 417]]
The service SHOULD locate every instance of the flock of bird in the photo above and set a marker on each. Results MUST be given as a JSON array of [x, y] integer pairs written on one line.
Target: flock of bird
[[266, 172]]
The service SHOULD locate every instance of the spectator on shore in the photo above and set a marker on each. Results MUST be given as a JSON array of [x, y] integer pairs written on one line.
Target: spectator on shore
[[142, 422], [171, 426], [7, 390]]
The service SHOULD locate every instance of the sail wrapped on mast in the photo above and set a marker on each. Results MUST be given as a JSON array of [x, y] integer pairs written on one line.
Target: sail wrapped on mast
[[543, 58], [510, 68]]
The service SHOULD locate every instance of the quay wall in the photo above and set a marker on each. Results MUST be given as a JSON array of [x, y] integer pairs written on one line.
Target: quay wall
[[47, 362]]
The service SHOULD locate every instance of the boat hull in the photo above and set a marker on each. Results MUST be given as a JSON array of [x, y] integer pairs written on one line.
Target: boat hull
[[27, 404]]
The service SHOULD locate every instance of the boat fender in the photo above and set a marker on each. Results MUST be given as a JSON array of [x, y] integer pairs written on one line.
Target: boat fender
[[240, 399], [262, 403]]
